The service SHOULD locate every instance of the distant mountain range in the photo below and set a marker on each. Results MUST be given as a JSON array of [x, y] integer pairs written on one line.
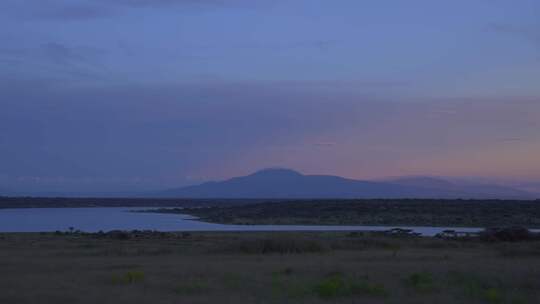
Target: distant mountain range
[[290, 184]]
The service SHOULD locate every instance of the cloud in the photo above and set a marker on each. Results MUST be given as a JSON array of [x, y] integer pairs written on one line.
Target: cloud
[[54, 53], [161, 3], [61, 10], [531, 33], [53, 62], [319, 44], [341, 84], [65, 55], [324, 144], [443, 112], [76, 10], [510, 139], [189, 4]]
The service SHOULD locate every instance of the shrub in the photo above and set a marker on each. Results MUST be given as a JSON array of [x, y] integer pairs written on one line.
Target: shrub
[[233, 281], [484, 291], [518, 250], [332, 287], [192, 287], [278, 245], [129, 277], [509, 234], [493, 296], [421, 282], [363, 287], [287, 271], [284, 285], [337, 286]]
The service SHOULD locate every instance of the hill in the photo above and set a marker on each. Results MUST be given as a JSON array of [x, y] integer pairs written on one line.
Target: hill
[[290, 184]]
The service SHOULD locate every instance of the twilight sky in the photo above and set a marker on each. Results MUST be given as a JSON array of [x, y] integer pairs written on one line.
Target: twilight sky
[[123, 95]]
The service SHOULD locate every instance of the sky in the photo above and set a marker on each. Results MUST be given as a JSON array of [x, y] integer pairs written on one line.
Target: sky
[[136, 95]]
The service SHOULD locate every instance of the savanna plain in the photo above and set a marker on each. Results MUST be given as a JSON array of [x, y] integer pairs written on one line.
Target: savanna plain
[[262, 267]]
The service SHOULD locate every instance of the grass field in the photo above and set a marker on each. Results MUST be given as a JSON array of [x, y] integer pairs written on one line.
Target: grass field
[[265, 268]]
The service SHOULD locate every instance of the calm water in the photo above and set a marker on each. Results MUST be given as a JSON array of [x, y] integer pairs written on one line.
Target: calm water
[[106, 219]]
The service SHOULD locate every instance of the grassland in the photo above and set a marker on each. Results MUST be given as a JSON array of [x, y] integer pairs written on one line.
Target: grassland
[[265, 268]]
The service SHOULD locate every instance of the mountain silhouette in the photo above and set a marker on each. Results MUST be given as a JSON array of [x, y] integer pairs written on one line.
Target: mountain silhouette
[[277, 183], [462, 188]]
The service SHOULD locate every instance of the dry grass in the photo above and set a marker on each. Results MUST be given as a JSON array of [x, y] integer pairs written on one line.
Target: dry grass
[[265, 268]]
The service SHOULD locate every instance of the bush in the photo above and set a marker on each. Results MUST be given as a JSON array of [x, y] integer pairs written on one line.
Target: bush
[[192, 287], [332, 287], [493, 296], [421, 282], [278, 245], [482, 290], [129, 277], [510, 234], [364, 287], [284, 285], [518, 251], [336, 286]]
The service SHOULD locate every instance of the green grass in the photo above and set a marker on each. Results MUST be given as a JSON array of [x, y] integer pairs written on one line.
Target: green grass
[[364, 287], [280, 245], [486, 290], [421, 282], [46, 268], [233, 281], [337, 285], [283, 286], [493, 295], [130, 277], [332, 287], [192, 287]]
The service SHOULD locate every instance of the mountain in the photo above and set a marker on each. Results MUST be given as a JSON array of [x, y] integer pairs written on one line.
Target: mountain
[[289, 184], [529, 186], [5, 192], [463, 188]]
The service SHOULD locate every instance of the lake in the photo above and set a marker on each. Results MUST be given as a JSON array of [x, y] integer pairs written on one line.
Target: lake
[[106, 219]]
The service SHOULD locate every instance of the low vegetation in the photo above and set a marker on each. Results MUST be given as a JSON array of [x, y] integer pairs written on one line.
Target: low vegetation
[[192, 287], [421, 282], [321, 267], [337, 285], [280, 245], [397, 212], [130, 277]]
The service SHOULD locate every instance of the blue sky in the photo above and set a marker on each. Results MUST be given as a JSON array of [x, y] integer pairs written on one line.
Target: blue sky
[[108, 95]]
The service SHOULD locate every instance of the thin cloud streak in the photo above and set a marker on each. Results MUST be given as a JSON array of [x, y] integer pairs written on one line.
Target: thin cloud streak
[[80, 10], [529, 32]]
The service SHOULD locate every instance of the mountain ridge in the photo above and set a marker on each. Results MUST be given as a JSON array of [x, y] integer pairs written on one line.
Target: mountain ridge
[[283, 183]]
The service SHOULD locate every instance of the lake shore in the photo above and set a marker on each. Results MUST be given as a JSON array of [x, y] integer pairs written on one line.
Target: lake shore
[[412, 213], [105, 219]]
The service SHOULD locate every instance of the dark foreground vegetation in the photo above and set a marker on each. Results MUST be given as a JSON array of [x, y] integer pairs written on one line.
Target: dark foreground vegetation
[[442, 213], [337, 267]]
